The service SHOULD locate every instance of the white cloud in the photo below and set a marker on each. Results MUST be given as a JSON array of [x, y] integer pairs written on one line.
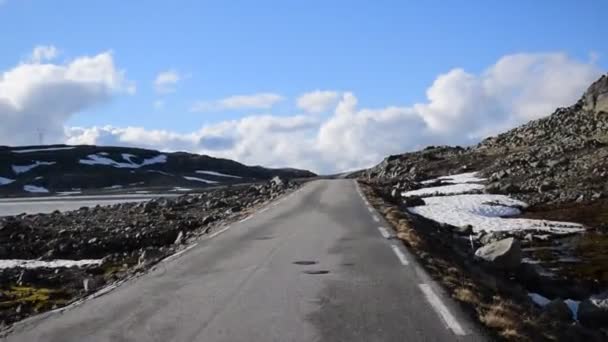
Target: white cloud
[[43, 53], [166, 81], [252, 101], [158, 104], [318, 101], [461, 108], [42, 96]]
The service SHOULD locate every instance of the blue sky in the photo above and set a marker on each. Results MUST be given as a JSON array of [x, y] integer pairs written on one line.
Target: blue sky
[[387, 53]]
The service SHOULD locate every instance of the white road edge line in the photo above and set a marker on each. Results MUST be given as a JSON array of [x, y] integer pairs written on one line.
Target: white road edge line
[[384, 232], [441, 309], [245, 219], [400, 255], [375, 218]]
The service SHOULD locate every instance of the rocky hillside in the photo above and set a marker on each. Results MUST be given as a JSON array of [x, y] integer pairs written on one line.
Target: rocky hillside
[[561, 158], [73, 169]]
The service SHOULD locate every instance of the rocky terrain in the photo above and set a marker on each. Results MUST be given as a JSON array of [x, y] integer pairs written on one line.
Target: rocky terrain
[[50, 260], [62, 169], [554, 168]]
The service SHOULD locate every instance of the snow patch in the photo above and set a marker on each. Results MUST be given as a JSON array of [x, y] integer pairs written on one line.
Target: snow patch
[[113, 187], [178, 188], [573, 306], [5, 181], [539, 300], [196, 179], [487, 212], [12, 263], [17, 169], [35, 189], [68, 193], [44, 149], [219, 174], [96, 159], [161, 172]]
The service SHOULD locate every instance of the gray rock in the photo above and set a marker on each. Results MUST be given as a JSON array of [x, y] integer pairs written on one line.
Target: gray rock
[[149, 256], [558, 310], [413, 201], [464, 230], [593, 312], [502, 254]]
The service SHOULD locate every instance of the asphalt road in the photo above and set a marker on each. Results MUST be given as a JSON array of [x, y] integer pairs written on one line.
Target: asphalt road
[[311, 267], [40, 205]]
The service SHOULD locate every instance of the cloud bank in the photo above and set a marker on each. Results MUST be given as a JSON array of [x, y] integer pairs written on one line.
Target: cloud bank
[[37, 96], [460, 108]]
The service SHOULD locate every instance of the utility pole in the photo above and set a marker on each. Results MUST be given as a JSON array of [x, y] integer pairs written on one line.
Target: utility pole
[[40, 136]]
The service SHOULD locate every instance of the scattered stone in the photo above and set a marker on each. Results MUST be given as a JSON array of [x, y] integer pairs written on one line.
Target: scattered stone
[[502, 254]]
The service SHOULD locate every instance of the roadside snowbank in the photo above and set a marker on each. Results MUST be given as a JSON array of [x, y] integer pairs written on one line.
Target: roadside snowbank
[[12, 263]]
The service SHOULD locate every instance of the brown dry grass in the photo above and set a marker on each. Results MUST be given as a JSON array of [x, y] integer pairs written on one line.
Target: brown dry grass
[[466, 295]]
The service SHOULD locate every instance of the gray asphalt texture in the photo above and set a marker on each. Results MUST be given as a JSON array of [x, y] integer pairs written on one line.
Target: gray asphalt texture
[[312, 267]]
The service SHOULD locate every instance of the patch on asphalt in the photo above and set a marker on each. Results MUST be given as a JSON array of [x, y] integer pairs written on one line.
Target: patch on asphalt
[[305, 262], [264, 238]]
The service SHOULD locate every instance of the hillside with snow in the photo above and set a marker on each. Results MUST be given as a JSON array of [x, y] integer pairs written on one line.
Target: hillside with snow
[[60, 169]]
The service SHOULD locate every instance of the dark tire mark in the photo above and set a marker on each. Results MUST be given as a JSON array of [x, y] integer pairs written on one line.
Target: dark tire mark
[[316, 272]]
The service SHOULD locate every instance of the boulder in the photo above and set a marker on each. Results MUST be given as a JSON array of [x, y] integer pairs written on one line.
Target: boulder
[[593, 311], [413, 201], [464, 230], [150, 256], [557, 309], [502, 254]]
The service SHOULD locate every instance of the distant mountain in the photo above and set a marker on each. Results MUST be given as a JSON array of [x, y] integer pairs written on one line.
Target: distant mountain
[[72, 169]]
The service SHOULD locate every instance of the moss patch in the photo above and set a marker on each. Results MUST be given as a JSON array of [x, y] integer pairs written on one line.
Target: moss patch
[[36, 298]]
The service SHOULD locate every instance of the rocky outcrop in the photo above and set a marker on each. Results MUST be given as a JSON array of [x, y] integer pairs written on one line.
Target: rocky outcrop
[[502, 254], [596, 97]]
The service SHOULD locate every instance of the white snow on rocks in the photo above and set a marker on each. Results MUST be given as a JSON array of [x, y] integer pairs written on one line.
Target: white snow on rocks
[[35, 189], [17, 169], [12, 263], [460, 184], [44, 149], [482, 211], [96, 159], [452, 189], [469, 177], [5, 181], [196, 179], [219, 174]]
